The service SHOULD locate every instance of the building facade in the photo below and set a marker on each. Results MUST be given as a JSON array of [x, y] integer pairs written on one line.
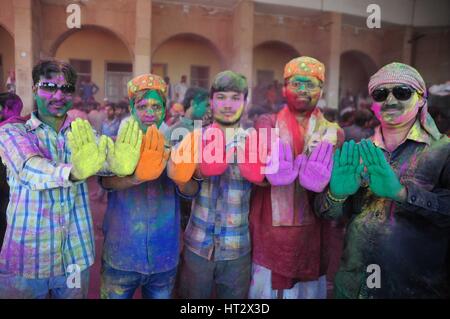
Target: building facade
[[198, 38]]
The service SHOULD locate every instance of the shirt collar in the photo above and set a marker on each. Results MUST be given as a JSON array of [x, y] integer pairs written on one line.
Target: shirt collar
[[34, 122], [416, 134]]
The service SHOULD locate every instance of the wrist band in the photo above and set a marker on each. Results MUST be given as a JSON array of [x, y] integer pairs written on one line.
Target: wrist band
[[334, 199]]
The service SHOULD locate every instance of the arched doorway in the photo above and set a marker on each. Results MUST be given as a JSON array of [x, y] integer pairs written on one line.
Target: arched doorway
[[355, 70], [187, 54], [7, 62], [269, 59], [100, 55]]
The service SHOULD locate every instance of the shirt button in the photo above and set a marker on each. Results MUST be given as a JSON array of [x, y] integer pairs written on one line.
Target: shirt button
[[429, 204], [413, 198]]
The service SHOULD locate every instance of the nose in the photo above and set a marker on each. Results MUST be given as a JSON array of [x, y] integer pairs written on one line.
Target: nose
[[390, 100], [58, 94]]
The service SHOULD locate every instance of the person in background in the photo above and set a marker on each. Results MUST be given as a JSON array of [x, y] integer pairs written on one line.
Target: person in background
[[180, 90], [10, 108], [11, 81], [88, 89], [360, 128], [169, 94], [110, 126], [96, 116], [176, 111]]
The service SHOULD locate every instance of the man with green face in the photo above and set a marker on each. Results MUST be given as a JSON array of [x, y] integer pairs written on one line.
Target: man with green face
[[142, 221], [395, 190], [196, 106], [49, 235]]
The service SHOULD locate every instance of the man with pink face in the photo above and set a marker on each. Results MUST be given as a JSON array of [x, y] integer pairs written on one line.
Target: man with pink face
[[395, 188]]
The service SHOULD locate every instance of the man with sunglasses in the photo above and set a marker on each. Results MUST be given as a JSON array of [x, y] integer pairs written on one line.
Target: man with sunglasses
[[395, 189], [49, 242]]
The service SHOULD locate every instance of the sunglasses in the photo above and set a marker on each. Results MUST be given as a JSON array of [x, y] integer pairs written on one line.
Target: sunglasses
[[53, 87], [401, 93]]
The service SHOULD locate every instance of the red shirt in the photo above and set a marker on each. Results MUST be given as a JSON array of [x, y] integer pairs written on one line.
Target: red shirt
[[292, 253]]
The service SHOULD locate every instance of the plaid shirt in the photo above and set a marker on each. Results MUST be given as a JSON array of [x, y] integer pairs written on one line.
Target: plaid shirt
[[49, 220], [219, 218]]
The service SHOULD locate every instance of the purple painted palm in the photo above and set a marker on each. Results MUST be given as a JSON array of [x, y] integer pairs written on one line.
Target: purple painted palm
[[315, 171]]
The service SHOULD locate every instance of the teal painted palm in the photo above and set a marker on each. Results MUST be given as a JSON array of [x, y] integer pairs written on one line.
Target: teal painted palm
[[346, 173]]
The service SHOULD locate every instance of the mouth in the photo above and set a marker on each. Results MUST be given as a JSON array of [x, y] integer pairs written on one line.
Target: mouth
[[391, 110]]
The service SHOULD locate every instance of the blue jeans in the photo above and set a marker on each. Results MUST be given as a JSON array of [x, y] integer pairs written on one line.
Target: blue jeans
[[59, 287], [119, 284]]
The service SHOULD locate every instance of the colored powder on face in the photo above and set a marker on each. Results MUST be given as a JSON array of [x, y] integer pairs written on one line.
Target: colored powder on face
[[149, 97]]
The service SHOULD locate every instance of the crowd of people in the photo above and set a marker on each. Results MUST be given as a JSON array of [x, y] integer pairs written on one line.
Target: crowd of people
[[200, 206]]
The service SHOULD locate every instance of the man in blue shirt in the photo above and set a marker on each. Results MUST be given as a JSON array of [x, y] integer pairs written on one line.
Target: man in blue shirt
[[142, 221]]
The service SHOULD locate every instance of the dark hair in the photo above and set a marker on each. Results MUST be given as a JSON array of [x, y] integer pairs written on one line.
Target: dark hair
[[11, 102], [46, 67], [362, 117], [111, 105], [256, 111], [228, 81], [192, 93]]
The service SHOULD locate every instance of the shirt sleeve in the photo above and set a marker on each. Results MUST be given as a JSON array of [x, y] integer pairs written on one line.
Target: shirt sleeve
[[25, 161], [325, 207]]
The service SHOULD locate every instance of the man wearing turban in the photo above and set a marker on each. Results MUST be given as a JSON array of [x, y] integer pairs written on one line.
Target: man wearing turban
[[395, 188], [289, 251], [142, 220]]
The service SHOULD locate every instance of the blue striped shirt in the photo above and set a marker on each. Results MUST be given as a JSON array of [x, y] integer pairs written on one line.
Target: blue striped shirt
[[48, 216]]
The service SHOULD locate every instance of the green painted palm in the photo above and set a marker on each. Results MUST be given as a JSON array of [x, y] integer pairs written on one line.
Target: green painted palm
[[383, 180], [346, 174]]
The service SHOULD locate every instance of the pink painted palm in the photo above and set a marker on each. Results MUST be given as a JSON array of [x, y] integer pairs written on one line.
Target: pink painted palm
[[315, 171], [287, 169]]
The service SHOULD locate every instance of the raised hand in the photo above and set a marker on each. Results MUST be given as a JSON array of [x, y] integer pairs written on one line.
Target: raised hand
[[251, 168], [183, 159], [214, 158], [123, 155], [153, 156], [383, 180], [346, 172], [287, 170], [315, 171], [87, 157]]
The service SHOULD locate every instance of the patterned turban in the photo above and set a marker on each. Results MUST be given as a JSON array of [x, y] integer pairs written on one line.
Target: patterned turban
[[305, 65], [398, 73], [146, 82]]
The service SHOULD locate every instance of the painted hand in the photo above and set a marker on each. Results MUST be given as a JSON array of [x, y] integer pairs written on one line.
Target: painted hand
[[87, 157], [214, 158], [287, 170], [183, 159], [346, 172], [123, 155], [383, 180], [251, 168], [315, 171], [153, 156]]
